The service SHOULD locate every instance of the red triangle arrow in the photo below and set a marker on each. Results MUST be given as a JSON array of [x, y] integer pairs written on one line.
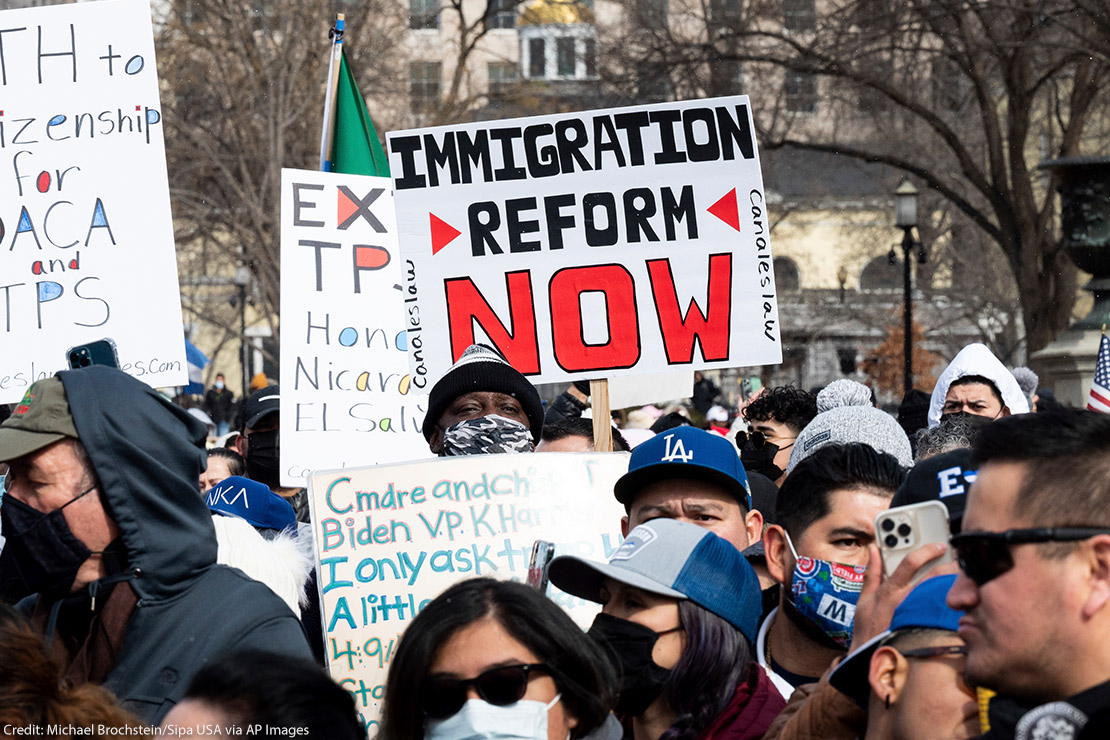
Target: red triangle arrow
[[727, 210], [344, 207], [443, 233]]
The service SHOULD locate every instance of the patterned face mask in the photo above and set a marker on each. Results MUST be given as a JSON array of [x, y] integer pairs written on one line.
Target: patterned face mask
[[826, 593], [486, 435]]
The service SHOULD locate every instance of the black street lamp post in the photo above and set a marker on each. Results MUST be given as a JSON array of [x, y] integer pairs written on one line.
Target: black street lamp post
[[242, 279], [905, 218]]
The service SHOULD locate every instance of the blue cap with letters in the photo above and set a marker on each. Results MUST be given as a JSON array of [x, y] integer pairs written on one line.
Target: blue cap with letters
[[248, 499], [685, 452], [946, 478]]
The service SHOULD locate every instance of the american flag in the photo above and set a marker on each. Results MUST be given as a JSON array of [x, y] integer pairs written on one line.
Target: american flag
[[1099, 400]]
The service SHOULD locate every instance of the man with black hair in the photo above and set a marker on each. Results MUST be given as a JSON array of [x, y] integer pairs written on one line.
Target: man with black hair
[[694, 476], [1034, 581], [818, 551], [775, 418], [575, 435], [976, 383], [975, 395]]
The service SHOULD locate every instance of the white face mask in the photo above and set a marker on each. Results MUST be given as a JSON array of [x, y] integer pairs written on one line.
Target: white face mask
[[480, 720]]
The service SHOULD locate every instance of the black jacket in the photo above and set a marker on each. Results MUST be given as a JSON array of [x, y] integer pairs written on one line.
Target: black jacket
[[219, 404], [1085, 716], [148, 455]]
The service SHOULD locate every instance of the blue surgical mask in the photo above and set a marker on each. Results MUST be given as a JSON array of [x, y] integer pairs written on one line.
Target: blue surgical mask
[[826, 593], [480, 720]]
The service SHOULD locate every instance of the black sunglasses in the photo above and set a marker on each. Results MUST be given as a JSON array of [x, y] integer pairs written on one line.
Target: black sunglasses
[[758, 439], [935, 652], [444, 697], [984, 556]]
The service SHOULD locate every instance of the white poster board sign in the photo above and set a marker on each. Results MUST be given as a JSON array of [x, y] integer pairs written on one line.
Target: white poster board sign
[[347, 395], [638, 390], [86, 237], [595, 244], [391, 538]]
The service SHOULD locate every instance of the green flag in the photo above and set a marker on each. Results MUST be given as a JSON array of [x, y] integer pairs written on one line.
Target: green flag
[[357, 149]]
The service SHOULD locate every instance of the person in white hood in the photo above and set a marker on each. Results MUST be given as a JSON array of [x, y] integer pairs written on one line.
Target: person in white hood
[[977, 383]]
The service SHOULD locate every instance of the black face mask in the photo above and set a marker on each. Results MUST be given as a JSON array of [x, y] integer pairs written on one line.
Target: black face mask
[[39, 550], [630, 644], [263, 458], [761, 461], [974, 419]]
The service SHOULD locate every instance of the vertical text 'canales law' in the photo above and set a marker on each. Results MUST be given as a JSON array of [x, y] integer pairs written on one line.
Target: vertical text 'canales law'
[[583, 144]]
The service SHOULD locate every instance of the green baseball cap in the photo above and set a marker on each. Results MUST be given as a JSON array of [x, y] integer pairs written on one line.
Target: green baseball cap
[[40, 419]]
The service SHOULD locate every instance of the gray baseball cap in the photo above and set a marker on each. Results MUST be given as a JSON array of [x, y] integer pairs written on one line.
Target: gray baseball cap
[[675, 559]]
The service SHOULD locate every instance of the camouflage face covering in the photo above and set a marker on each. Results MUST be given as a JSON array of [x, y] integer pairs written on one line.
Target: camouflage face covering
[[487, 435]]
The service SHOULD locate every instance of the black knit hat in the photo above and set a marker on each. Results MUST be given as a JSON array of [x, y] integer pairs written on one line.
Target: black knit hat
[[483, 368]]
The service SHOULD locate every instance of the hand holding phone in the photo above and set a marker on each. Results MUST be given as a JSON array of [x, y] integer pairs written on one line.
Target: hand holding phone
[[904, 529], [543, 552], [100, 352]]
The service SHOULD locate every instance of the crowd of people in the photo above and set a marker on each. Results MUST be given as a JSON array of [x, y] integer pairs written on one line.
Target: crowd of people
[[147, 581]]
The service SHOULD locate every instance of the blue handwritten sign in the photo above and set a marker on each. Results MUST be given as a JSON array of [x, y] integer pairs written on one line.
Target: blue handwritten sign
[[390, 538]]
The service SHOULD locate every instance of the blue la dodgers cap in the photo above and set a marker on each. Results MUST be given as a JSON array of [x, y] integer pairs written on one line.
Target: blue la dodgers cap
[[685, 452], [924, 607], [676, 559]]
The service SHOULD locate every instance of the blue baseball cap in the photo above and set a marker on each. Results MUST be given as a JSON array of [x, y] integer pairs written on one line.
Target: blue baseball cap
[[923, 608], [248, 499], [675, 559], [684, 452]]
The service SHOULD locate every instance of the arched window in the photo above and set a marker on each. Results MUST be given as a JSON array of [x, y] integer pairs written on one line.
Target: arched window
[[786, 274], [879, 274]]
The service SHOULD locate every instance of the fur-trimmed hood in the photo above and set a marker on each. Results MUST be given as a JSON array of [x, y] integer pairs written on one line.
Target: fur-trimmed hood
[[283, 563]]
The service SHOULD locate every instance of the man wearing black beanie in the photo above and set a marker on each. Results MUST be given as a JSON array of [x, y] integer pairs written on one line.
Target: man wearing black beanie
[[482, 405]]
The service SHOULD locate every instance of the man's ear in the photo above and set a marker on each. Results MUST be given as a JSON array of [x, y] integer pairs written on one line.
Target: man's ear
[[624, 525], [1098, 563], [1005, 411], [753, 522], [780, 562], [435, 441], [887, 674]]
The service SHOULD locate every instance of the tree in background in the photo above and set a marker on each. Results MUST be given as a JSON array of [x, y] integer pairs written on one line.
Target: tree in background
[[243, 97], [965, 96], [885, 365]]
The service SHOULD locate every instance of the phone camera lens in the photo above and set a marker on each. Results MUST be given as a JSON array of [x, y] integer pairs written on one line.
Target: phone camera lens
[[887, 525], [891, 541], [904, 530]]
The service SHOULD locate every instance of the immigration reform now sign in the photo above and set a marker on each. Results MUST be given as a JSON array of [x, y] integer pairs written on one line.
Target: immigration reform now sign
[[604, 243]]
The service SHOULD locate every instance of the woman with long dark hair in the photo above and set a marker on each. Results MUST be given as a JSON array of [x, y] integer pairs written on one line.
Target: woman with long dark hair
[[680, 612], [496, 660]]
